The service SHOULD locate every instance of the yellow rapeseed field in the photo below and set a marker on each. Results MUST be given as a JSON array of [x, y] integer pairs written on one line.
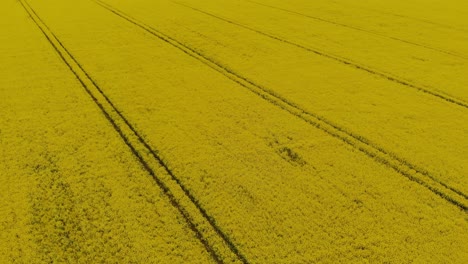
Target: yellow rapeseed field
[[236, 131]]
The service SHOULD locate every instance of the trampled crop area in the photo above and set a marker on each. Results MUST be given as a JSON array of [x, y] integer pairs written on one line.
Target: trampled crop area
[[236, 131]]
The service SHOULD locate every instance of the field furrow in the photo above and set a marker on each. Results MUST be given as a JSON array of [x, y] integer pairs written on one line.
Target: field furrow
[[150, 160], [275, 185], [415, 13], [240, 131], [346, 61], [379, 113], [330, 13], [388, 58], [70, 189], [375, 152]]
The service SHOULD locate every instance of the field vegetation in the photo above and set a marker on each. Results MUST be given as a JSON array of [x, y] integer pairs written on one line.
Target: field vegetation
[[237, 131]]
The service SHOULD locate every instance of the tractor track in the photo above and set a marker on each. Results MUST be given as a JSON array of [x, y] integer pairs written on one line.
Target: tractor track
[[420, 20], [361, 29], [342, 60], [215, 241], [377, 153]]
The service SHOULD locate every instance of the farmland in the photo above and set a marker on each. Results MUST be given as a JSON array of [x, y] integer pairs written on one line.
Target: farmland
[[237, 131]]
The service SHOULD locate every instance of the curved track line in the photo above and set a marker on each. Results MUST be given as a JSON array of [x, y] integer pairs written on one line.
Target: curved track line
[[220, 248], [370, 149], [460, 56], [342, 60]]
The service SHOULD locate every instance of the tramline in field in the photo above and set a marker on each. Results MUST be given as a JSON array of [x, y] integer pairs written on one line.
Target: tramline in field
[[235, 132]]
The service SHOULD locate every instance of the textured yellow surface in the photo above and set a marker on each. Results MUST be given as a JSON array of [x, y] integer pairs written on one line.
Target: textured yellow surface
[[416, 126], [70, 190], [241, 132]]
